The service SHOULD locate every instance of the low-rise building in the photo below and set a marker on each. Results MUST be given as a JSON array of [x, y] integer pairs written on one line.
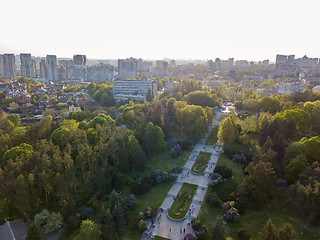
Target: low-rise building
[[134, 87]]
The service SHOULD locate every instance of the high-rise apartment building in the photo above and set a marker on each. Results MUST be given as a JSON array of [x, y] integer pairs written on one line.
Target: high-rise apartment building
[[80, 60], [127, 68], [52, 68], [28, 66], [8, 65], [44, 69]]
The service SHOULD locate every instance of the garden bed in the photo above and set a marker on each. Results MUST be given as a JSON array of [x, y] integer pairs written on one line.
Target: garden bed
[[201, 163], [180, 206]]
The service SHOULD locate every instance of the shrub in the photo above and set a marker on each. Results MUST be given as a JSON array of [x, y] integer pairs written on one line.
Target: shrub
[[41, 218], [243, 234], [142, 225], [240, 158], [54, 222], [128, 181], [224, 171], [176, 169], [214, 200], [86, 213], [186, 144], [73, 222], [230, 212], [215, 175]]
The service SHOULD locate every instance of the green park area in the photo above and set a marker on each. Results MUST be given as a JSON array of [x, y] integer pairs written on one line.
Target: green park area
[[201, 163], [252, 220], [180, 206], [212, 138]]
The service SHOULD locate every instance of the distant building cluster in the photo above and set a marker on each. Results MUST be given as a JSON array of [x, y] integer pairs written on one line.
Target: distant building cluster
[[54, 70], [289, 65]]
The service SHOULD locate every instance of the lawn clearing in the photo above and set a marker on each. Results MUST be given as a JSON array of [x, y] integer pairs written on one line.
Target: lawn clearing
[[180, 206], [212, 139], [201, 163], [160, 238]]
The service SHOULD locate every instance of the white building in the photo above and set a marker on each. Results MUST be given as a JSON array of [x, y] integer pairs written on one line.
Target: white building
[[134, 87]]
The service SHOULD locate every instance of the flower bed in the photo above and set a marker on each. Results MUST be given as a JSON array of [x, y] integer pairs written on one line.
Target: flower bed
[[180, 206], [201, 163]]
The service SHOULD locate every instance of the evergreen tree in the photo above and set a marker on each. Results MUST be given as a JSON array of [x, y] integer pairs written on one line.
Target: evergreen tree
[[286, 232], [108, 227], [34, 233], [218, 232], [120, 218], [269, 231], [88, 231]]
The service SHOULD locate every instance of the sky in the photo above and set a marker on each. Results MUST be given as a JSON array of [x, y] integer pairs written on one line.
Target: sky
[[156, 29]]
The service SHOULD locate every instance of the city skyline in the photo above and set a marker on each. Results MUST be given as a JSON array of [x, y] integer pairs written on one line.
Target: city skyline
[[161, 29]]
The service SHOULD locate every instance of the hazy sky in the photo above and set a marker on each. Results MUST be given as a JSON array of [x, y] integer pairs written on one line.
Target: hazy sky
[[155, 29]]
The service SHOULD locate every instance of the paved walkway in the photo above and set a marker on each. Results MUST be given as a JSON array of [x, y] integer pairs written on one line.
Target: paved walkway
[[168, 228]]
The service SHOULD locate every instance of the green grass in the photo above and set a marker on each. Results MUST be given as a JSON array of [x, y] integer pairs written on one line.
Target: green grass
[[201, 163], [212, 139], [180, 206], [160, 238], [253, 220], [153, 199]]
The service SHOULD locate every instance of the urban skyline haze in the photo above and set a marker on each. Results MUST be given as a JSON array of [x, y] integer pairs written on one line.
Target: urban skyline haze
[[248, 29]]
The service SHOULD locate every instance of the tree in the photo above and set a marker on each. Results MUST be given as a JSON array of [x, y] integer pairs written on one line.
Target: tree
[[286, 232], [149, 95], [218, 231], [88, 231], [295, 167], [15, 118], [34, 233], [108, 227], [258, 184], [269, 104], [153, 139], [227, 132], [269, 232]]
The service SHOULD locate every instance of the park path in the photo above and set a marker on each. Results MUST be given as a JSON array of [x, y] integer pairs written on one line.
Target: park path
[[177, 230]]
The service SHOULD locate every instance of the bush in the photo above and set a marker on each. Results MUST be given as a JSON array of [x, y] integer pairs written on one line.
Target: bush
[[54, 222], [186, 144], [142, 225], [128, 181], [86, 213], [240, 158], [243, 234], [176, 169], [73, 222], [215, 175], [214, 200], [224, 171], [41, 218]]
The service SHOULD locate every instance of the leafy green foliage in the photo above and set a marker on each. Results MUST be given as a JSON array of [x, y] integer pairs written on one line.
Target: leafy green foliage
[[88, 231]]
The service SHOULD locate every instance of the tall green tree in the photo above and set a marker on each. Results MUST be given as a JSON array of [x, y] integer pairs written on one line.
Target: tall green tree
[[227, 132], [108, 228]]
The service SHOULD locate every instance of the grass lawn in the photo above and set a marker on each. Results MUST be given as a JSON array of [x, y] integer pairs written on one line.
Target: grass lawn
[[252, 220], [201, 163], [212, 139], [160, 238], [180, 206], [153, 199], [163, 161]]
